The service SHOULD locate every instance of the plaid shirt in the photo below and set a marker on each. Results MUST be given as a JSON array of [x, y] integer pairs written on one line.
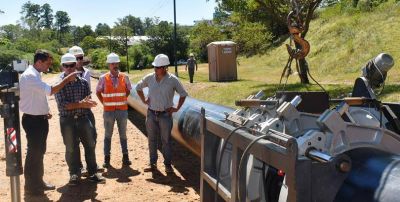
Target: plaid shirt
[[72, 92]]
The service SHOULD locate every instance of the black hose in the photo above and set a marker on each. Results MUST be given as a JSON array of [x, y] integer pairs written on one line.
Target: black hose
[[241, 161], [220, 158]]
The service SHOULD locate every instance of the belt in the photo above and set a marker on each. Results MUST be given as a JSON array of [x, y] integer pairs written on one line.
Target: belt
[[75, 116], [35, 116], [157, 112]]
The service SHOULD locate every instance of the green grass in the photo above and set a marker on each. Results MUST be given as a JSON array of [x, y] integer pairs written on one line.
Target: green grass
[[340, 45]]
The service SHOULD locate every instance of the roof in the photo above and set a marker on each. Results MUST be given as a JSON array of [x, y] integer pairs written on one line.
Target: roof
[[222, 43]]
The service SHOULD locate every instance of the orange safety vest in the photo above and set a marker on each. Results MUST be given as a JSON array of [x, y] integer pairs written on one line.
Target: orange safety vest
[[114, 98]]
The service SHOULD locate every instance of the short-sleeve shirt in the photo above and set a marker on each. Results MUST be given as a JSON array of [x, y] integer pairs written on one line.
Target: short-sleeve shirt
[[33, 93], [191, 63], [100, 85], [161, 94]]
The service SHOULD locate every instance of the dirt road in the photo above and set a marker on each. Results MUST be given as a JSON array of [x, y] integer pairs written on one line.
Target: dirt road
[[123, 183]]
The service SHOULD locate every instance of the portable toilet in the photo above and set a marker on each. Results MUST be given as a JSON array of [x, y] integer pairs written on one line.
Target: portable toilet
[[222, 61]]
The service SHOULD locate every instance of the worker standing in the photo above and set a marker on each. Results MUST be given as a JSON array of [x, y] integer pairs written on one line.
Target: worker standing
[[74, 104], [33, 103], [112, 90], [162, 86], [191, 63], [85, 74]]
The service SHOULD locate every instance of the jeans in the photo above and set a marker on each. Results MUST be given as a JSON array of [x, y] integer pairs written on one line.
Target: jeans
[[121, 116], [159, 125], [93, 121], [74, 130], [36, 129]]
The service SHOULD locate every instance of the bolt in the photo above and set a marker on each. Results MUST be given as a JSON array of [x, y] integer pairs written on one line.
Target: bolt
[[344, 166]]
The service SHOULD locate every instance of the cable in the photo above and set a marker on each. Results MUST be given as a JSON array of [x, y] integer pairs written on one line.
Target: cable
[[241, 161], [309, 74], [220, 158]]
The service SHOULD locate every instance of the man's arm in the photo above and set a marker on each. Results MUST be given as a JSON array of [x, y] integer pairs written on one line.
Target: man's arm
[[141, 95], [57, 87], [196, 64], [86, 103], [100, 96]]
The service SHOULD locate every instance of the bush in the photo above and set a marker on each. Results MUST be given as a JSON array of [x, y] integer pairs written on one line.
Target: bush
[[252, 38], [7, 56], [98, 58]]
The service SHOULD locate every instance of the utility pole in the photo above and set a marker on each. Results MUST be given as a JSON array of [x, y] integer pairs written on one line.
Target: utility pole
[[126, 49], [176, 65], [109, 40]]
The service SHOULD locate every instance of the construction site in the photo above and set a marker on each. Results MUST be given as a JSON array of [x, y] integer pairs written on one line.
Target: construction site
[[235, 135]]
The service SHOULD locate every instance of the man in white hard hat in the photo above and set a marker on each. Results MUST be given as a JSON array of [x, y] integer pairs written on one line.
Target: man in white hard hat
[[191, 63], [84, 73], [112, 90], [162, 86], [74, 104], [33, 103]]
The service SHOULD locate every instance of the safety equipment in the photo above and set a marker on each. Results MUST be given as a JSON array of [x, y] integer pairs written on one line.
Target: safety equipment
[[112, 58], [161, 60], [67, 58], [114, 98], [76, 50], [191, 55]]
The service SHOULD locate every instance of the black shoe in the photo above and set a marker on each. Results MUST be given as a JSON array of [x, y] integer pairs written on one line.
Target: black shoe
[[73, 180], [152, 167], [169, 169], [47, 186], [97, 178], [84, 172], [106, 163], [125, 160]]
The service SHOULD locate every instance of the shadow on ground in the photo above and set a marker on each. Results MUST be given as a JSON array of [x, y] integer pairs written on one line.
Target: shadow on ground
[[186, 163]]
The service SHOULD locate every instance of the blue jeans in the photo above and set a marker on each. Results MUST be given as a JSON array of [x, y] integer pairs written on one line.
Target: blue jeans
[[121, 116], [159, 125], [74, 130]]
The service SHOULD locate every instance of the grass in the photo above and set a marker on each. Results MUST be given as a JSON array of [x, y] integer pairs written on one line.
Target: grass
[[340, 45]]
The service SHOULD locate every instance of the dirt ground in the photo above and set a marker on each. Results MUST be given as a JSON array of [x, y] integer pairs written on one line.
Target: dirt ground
[[122, 183]]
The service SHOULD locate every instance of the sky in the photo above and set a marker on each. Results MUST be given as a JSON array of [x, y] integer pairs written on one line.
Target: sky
[[91, 12]]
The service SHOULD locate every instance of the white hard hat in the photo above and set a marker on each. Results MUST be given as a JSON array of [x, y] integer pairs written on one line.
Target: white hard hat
[[160, 60], [68, 57], [76, 50], [112, 58], [191, 55]]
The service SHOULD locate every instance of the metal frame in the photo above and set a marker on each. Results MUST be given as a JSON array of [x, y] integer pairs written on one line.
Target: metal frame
[[306, 179]]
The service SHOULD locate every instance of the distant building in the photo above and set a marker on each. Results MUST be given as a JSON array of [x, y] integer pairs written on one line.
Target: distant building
[[132, 40], [209, 22]]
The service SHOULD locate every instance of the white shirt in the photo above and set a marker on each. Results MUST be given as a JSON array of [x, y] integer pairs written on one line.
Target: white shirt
[[161, 94], [86, 75], [33, 93]]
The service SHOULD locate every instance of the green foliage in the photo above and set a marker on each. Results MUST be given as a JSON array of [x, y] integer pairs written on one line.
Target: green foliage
[[162, 40], [11, 32], [138, 53], [201, 35], [62, 24], [46, 18], [252, 38], [134, 23], [8, 55], [98, 58], [26, 45], [102, 29], [89, 42]]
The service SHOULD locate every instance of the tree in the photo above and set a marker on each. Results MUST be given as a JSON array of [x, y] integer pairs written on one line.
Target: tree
[[273, 14], [89, 42], [161, 40], [62, 24], [47, 17], [31, 15], [102, 29], [1, 12], [134, 23], [201, 35], [81, 32], [122, 35], [11, 32]]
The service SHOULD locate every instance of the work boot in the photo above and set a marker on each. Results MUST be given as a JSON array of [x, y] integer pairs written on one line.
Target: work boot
[[106, 161], [125, 160]]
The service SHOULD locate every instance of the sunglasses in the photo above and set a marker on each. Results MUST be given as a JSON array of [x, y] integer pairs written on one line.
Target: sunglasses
[[158, 67], [69, 66], [79, 58]]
